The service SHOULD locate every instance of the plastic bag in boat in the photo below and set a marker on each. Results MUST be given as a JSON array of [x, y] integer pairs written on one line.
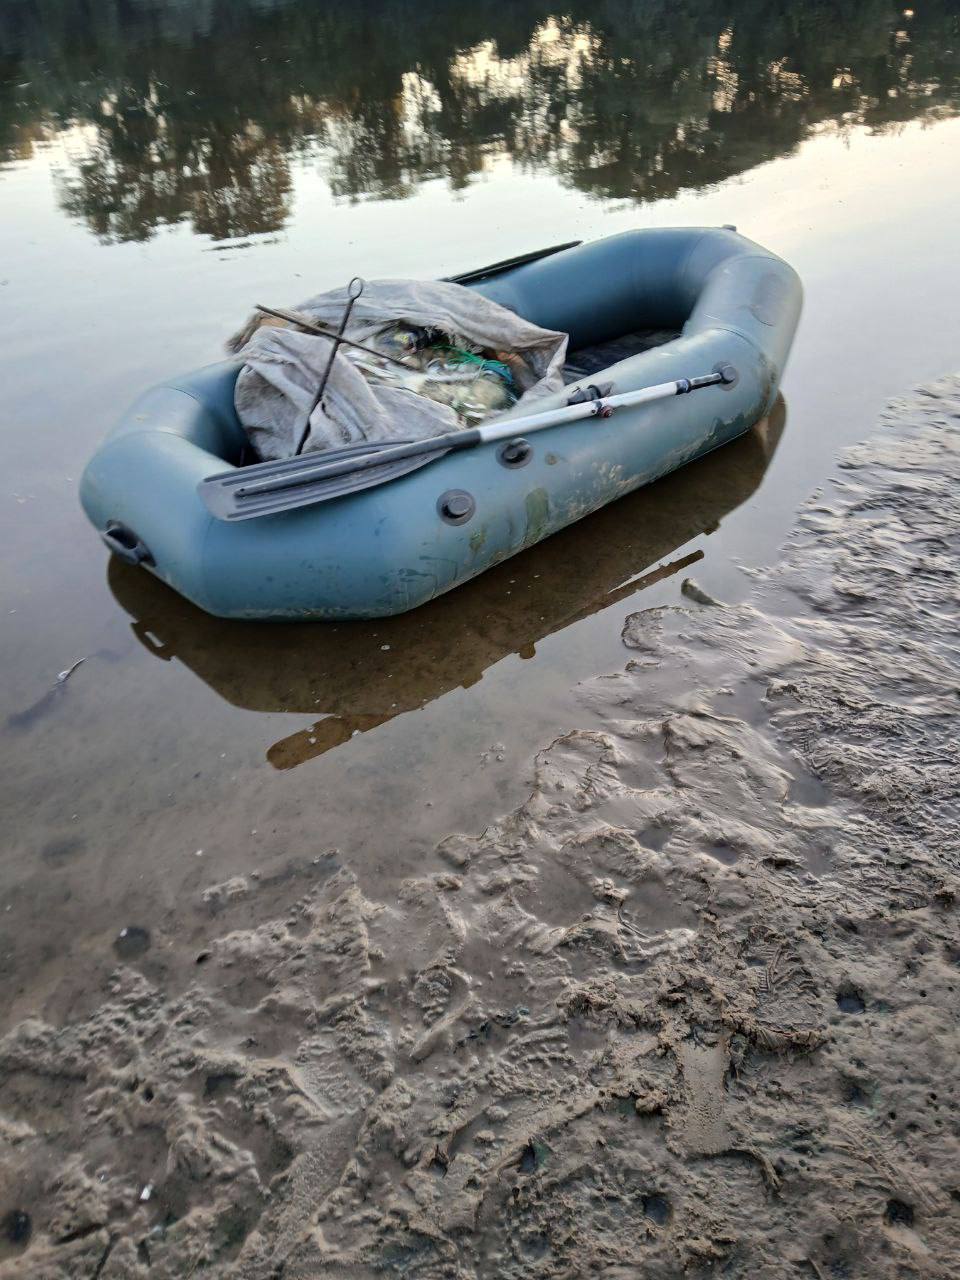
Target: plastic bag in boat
[[282, 367]]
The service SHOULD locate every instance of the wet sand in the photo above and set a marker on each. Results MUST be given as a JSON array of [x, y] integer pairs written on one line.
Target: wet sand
[[690, 1008]]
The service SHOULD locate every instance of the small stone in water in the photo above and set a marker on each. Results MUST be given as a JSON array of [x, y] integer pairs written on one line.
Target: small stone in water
[[850, 1000], [17, 1227], [131, 941]]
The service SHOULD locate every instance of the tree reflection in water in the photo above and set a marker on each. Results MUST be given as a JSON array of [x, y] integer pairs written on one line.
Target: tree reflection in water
[[196, 111]]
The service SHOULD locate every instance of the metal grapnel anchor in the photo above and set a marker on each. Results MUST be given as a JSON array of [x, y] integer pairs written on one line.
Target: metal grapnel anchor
[[354, 290]]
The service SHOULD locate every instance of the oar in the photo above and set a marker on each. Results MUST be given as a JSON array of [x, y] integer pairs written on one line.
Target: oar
[[245, 493]]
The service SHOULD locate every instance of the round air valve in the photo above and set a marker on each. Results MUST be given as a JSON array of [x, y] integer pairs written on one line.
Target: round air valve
[[515, 453], [456, 506]]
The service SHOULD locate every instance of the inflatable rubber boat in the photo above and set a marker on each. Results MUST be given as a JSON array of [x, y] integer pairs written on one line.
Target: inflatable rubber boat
[[663, 309]]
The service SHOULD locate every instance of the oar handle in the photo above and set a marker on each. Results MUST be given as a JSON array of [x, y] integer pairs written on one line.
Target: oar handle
[[685, 385]]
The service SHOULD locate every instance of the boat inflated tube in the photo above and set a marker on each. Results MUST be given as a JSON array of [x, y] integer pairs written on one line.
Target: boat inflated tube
[[388, 548]]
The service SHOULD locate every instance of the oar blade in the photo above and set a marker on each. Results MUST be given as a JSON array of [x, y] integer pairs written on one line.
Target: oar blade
[[225, 495]]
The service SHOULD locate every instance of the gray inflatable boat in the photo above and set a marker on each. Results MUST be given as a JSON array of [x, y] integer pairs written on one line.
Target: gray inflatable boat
[[664, 309]]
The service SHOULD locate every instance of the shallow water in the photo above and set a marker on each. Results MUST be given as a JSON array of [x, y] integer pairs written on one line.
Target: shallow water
[[673, 1014], [163, 166]]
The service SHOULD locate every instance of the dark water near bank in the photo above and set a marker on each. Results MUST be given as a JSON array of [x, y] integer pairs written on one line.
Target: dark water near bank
[[162, 166]]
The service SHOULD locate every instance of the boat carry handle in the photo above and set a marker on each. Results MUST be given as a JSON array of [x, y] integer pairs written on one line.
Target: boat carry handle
[[124, 543]]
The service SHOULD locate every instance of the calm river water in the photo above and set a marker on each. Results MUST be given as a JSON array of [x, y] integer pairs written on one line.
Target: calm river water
[[165, 165]]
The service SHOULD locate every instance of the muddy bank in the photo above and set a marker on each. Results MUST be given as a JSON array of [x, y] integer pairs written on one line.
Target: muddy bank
[[689, 1010]]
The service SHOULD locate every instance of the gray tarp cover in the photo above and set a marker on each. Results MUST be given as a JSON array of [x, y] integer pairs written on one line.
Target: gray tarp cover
[[282, 367]]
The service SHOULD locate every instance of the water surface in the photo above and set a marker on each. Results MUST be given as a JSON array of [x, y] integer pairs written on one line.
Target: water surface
[[163, 166]]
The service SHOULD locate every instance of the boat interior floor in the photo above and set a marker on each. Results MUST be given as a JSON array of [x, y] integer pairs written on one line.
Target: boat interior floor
[[588, 361]]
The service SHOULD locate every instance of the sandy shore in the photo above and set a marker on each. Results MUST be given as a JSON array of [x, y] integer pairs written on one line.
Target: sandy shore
[[691, 1010]]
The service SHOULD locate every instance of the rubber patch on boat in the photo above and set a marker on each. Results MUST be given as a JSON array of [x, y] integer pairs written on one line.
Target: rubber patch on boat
[[769, 299]]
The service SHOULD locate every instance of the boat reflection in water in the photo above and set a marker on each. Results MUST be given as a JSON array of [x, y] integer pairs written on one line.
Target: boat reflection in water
[[357, 675]]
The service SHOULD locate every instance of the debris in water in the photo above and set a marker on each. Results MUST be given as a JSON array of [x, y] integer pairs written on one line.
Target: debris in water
[[693, 592], [63, 676], [24, 719]]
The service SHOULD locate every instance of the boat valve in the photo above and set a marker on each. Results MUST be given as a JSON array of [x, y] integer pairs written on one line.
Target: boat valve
[[456, 506], [515, 453]]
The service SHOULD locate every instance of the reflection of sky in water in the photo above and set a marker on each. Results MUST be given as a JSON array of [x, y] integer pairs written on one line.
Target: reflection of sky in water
[[198, 112]]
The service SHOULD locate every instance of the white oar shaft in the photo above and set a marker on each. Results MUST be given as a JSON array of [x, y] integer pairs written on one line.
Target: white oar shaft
[[572, 412]]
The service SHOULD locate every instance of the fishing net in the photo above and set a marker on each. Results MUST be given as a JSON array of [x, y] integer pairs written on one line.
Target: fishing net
[[432, 357]]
